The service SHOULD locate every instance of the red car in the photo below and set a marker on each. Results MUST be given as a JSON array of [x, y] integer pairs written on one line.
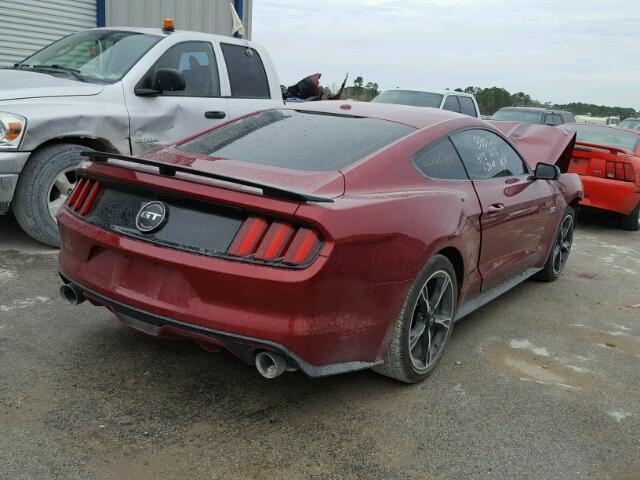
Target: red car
[[323, 237], [608, 161]]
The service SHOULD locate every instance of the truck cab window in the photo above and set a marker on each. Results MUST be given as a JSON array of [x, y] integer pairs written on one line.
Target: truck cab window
[[451, 103], [467, 106], [196, 61], [246, 73]]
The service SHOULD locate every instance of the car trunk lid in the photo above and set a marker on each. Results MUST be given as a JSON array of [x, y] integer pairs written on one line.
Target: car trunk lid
[[601, 161]]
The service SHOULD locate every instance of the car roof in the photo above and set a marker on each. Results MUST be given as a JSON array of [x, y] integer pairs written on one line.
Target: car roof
[[537, 109], [593, 125], [187, 34], [439, 92], [417, 117]]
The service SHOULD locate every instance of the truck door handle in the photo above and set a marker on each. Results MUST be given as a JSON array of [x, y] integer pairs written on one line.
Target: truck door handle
[[215, 114], [495, 208]]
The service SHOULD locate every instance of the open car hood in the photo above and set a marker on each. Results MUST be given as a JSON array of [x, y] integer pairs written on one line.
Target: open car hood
[[539, 143], [328, 184]]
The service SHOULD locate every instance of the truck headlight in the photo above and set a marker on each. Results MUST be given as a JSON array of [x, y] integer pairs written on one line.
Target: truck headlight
[[11, 130]]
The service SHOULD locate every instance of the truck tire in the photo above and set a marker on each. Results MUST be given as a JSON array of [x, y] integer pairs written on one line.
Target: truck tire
[[632, 221], [43, 186]]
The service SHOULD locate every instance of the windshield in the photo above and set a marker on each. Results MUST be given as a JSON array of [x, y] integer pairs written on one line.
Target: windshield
[[609, 136], [409, 97], [515, 115], [298, 140], [634, 124], [97, 55]]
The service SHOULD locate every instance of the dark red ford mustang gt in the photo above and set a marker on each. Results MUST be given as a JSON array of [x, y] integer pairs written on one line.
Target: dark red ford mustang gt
[[323, 237]]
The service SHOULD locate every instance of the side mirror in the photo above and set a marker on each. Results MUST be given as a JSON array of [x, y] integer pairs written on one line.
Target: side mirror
[[168, 80], [163, 80], [545, 171]]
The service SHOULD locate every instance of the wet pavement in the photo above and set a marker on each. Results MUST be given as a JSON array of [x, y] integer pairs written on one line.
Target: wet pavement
[[542, 383]]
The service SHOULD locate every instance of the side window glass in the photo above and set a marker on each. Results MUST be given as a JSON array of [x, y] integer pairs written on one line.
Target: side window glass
[[467, 106], [486, 155], [440, 161], [197, 63], [451, 103], [246, 72]]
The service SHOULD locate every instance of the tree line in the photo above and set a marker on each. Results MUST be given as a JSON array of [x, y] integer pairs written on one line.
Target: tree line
[[491, 99]]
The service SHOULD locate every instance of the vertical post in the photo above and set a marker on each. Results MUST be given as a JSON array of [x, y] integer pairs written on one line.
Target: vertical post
[[239, 6], [101, 14]]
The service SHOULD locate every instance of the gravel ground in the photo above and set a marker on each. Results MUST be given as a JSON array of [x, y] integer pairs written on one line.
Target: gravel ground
[[542, 383]]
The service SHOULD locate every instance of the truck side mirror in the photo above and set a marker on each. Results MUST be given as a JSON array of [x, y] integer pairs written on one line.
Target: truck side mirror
[[162, 80], [169, 80], [545, 171]]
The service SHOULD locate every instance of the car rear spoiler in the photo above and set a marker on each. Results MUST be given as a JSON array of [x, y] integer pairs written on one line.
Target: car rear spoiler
[[540, 143], [604, 148], [170, 170]]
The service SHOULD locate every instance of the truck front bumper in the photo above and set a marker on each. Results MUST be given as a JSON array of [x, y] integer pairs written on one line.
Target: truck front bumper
[[11, 164]]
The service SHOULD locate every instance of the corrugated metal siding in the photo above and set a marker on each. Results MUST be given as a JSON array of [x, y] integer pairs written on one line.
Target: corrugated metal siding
[[28, 25], [211, 16]]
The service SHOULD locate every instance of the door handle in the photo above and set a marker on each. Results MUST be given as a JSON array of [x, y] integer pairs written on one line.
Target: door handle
[[495, 208], [215, 114]]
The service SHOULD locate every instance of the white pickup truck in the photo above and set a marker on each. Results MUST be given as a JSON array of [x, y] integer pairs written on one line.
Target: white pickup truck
[[121, 90]]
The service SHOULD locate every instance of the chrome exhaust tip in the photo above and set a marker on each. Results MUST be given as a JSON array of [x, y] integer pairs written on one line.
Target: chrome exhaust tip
[[71, 294], [270, 364]]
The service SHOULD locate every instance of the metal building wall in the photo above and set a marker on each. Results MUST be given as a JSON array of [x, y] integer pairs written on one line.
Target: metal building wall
[[28, 25], [211, 16]]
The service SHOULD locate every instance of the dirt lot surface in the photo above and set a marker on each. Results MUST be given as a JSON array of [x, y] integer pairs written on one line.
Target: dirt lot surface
[[542, 383]]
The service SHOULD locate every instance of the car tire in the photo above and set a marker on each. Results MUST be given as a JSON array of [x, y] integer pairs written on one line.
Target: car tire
[[631, 222], [43, 186], [561, 248], [404, 362]]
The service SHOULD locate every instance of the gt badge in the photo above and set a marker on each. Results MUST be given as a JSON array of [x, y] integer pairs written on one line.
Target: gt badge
[[151, 217]]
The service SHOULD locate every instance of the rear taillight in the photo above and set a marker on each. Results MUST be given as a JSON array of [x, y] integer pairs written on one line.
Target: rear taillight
[[276, 242], [84, 195], [620, 171]]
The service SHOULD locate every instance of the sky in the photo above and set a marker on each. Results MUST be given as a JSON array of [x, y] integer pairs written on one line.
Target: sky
[[555, 50]]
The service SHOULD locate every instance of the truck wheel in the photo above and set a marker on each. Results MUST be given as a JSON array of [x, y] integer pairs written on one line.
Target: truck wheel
[[632, 221], [43, 186], [561, 248], [425, 323]]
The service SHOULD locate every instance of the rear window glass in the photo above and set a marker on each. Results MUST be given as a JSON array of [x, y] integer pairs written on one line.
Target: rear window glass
[[409, 97], [298, 140], [609, 136], [513, 115], [246, 72]]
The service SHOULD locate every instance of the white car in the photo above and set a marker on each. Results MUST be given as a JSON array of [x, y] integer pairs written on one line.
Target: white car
[[443, 99], [121, 90]]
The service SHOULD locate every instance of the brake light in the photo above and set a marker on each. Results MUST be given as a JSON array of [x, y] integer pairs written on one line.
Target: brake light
[[275, 241], [620, 171], [84, 195]]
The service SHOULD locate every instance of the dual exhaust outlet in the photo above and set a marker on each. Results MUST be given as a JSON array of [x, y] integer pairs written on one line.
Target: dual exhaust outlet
[[269, 364]]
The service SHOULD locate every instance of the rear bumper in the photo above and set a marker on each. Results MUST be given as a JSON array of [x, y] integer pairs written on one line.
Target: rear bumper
[[610, 195], [242, 346], [320, 318]]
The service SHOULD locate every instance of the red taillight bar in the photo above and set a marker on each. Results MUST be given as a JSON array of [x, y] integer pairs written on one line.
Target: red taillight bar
[[620, 171], [84, 195], [275, 242]]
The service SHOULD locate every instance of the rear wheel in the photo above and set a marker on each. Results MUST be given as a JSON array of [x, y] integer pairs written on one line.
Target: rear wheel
[[561, 248], [632, 221], [424, 325]]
